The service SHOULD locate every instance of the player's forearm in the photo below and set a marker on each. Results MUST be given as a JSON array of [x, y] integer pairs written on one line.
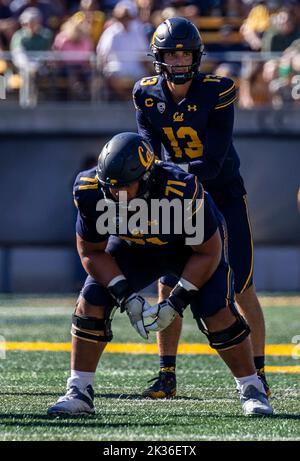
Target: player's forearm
[[101, 266], [200, 268]]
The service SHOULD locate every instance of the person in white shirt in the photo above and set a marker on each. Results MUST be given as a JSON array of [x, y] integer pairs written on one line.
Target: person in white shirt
[[121, 50]]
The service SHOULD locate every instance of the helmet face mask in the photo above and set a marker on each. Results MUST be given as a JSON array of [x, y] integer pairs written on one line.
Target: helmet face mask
[[126, 159], [177, 34]]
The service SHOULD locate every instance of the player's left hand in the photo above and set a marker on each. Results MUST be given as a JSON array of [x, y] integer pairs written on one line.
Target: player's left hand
[[134, 307], [159, 316]]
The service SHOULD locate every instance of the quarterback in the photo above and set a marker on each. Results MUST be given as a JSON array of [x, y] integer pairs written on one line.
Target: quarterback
[[187, 116]]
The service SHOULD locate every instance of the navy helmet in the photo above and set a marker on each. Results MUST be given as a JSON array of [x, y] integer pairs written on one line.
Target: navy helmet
[[125, 159], [177, 34]]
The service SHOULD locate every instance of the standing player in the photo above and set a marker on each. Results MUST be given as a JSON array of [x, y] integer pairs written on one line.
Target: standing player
[[121, 262], [191, 114]]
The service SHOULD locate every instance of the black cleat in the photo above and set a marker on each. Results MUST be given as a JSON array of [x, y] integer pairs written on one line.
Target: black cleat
[[164, 386]]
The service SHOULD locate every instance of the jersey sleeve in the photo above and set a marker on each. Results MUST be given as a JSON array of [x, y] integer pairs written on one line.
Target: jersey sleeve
[[145, 129], [218, 136], [85, 200]]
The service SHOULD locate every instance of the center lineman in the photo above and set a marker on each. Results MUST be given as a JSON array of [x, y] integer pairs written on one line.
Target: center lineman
[[121, 265]]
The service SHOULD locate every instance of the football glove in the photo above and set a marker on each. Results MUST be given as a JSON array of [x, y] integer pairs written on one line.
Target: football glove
[[159, 316], [134, 307], [165, 312], [130, 302]]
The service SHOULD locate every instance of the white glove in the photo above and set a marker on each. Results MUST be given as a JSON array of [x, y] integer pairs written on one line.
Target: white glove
[[134, 306], [159, 316]]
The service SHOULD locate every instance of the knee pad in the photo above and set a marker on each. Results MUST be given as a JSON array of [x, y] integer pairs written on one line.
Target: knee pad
[[85, 328], [229, 337]]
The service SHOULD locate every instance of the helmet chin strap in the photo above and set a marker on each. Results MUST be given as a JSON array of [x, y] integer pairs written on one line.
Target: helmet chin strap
[[179, 78]]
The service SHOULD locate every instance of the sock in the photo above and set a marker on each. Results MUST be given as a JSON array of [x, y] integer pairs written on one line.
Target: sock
[[80, 379], [253, 380], [167, 363], [259, 362]]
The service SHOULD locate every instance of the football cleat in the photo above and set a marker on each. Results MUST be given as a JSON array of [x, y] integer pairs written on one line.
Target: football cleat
[[261, 374], [74, 403], [164, 386], [254, 402]]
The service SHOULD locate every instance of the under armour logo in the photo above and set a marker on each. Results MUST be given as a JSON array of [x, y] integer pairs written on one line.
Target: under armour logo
[[192, 108]]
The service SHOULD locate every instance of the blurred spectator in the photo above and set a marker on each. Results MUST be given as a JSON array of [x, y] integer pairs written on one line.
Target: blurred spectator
[[91, 18], [254, 89], [122, 49], [146, 9], [32, 37], [282, 32], [52, 11], [75, 68], [282, 83], [8, 25], [257, 22]]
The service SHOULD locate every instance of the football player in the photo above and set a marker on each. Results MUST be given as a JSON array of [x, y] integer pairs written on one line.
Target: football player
[[190, 115], [121, 262]]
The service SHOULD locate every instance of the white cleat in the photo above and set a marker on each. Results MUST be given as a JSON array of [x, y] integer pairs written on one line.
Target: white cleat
[[254, 402], [74, 403]]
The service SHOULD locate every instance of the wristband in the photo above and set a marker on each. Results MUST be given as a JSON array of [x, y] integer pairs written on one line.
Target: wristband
[[182, 294], [120, 290]]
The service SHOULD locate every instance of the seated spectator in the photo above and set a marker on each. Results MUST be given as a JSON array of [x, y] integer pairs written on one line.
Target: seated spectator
[[75, 67], [253, 28], [52, 11], [91, 18], [122, 50], [32, 37], [254, 89], [282, 83], [8, 25], [282, 32]]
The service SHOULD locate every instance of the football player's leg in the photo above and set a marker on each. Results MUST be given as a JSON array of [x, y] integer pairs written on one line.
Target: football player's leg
[[168, 339], [164, 385], [90, 334], [240, 246], [228, 333]]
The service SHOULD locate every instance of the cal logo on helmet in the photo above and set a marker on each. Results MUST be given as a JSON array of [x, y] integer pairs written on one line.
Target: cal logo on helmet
[[145, 155]]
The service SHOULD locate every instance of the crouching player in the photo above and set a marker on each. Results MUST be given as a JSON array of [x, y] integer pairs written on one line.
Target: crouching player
[[120, 264]]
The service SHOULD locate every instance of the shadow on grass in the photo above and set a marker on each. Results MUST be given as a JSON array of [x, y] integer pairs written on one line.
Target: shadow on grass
[[118, 396], [42, 420]]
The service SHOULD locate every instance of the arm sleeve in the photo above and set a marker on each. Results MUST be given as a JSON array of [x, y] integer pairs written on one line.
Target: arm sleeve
[[146, 131], [217, 140], [87, 216]]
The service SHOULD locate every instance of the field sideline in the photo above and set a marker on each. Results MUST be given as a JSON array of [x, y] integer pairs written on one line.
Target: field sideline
[[35, 340]]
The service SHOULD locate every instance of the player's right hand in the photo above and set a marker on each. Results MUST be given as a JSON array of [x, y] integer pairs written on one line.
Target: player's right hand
[[134, 306], [159, 316]]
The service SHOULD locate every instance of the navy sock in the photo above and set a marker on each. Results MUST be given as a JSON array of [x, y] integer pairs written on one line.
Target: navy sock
[[259, 362], [167, 361]]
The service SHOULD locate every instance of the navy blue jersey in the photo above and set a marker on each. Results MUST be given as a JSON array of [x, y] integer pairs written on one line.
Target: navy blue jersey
[[167, 182], [198, 130]]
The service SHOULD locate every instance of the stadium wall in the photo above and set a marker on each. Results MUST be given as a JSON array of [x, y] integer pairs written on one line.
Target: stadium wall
[[43, 149]]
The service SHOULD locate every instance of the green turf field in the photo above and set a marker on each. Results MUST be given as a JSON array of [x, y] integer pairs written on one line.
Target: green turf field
[[207, 406]]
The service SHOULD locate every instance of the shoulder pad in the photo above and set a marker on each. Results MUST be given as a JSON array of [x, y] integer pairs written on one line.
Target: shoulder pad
[[226, 94], [140, 91], [86, 189]]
